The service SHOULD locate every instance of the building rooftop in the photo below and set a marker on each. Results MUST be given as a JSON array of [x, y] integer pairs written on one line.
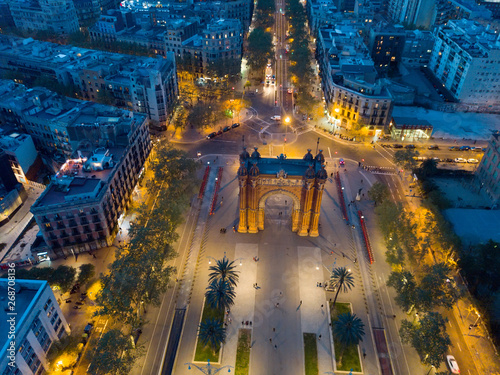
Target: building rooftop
[[67, 58], [81, 178], [472, 37], [399, 122], [292, 167]]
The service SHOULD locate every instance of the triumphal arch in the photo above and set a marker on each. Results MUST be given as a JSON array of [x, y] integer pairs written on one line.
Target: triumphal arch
[[303, 180]]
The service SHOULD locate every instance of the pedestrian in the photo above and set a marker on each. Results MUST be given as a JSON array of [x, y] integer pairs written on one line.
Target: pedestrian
[[274, 329], [355, 260], [317, 284], [321, 306], [394, 316], [364, 355], [300, 302], [319, 337], [343, 255], [270, 340], [275, 346], [277, 305], [285, 201]]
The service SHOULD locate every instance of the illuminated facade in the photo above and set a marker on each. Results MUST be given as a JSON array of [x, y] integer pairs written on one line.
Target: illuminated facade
[[302, 180]]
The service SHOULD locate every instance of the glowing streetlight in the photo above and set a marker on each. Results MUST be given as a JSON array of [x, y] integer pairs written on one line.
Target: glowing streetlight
[[287, 119]]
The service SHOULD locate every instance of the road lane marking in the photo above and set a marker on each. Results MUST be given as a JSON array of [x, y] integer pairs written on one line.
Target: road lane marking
[[459, 348], [329, 152]]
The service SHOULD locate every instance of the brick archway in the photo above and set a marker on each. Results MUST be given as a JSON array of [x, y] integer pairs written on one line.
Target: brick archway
[[303, 180], [262, 204]]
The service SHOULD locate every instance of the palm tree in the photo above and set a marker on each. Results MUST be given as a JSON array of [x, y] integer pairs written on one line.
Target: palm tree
[[342, 279], [212, 332], [224, 269], [220, 294], [348, 329]]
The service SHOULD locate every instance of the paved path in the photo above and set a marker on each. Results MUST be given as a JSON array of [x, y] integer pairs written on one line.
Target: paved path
[[315, 311]]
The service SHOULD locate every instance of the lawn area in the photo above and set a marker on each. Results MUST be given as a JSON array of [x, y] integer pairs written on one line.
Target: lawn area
[[243, 352], [350, 358], [204, 352], [310, 354]]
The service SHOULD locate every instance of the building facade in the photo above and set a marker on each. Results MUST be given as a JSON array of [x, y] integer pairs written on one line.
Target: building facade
[[418, 48], [386, 43], [420, 13], [301, 180], [466, 59], [20, 151], [58, 16], [80, 210], [39, 323], [143, 84], [488, 171], [356, 98]]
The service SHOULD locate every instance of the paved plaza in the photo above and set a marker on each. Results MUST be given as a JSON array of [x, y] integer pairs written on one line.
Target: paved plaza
[[287, 269]]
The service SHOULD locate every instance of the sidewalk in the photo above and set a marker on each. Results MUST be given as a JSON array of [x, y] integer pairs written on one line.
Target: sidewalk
[[315, 310], [244, 304]]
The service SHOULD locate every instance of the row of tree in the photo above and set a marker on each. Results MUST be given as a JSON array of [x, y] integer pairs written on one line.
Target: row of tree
[[301, 57], [220, 296], [140, 275], [478, 263], [260, 40], [63, 276], [422, 239]]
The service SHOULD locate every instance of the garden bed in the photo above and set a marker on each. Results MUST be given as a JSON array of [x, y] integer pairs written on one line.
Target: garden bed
[[350, 359], [205, 352], [243, 352], [310, 354]]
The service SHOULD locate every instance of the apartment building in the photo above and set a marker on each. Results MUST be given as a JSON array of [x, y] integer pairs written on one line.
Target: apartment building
[[58, 16], [20, 151], [143, 84], [420, 13], [488, 171], [466, 59], [386, 43], [417, 48], [39, 322], [326, 14], [80, 209], [356, 98]]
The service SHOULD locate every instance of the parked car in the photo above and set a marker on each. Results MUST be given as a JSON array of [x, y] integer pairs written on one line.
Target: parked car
[[226, 129], [454, 148], [235, 125], [386, 145], [397, 145], [212, 135], [276, 118], [452, 364], [410, 146], [465, 148], [460, 160], [341, 161], [433, 147], [219, 132], [448, 160], [472, 161]]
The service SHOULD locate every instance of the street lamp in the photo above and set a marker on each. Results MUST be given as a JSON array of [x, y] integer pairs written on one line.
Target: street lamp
[[208, 369], [287, 119]]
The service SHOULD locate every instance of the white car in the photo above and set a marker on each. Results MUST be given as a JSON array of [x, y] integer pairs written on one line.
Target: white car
[[452, 364], [472, 161], [276, 118], [460, 160]]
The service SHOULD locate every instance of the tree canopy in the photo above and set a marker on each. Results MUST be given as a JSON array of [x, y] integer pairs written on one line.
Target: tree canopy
[[428, 337]]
